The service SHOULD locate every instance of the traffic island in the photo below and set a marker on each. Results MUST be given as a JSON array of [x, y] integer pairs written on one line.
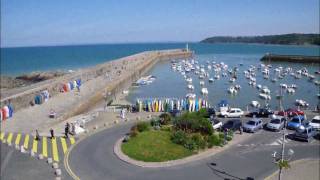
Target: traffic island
[[163, 143]]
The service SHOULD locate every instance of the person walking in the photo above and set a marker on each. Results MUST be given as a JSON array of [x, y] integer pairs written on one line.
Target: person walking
[[51, 133], [73, 129], [37, 135], [66, 130], [225, 135], [240, 129]]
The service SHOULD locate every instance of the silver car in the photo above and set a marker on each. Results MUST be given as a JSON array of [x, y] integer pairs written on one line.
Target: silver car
[[276, 124], [253, 125]]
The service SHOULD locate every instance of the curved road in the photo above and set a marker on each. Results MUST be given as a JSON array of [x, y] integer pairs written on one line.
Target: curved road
[[93, 158]]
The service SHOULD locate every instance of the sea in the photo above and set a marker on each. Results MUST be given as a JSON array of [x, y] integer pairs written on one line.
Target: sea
[[170, 84]]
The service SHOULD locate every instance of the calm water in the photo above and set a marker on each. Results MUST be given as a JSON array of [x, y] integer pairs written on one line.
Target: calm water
[[16, 61]]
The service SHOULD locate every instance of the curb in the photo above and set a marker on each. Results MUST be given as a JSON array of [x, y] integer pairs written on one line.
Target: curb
[[199, 156]]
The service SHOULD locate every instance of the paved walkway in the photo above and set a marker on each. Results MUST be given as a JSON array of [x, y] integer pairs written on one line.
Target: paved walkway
[[300, 169]]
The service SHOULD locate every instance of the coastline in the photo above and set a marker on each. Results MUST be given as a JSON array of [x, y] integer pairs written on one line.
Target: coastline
[[108, 78]]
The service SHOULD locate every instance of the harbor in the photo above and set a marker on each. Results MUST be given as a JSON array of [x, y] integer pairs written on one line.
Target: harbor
[[290, 58]]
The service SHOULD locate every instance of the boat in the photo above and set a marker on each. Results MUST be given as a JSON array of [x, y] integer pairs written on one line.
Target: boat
[[302, 103], [211, 80], [265, 96], [223, 106], [265, 90], [255, 104], [191, 96], [189, 80], [284, 86], [204, 91], [238, 87], [201, 83], [232, 80], [291, 90], [259, 86], [217, 76], [232, 90], [274, 80], [190, 86]]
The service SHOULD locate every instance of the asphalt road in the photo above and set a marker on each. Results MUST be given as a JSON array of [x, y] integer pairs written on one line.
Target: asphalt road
[[93, 158]]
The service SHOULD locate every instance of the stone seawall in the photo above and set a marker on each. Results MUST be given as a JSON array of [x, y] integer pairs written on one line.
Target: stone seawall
[[122, 73]]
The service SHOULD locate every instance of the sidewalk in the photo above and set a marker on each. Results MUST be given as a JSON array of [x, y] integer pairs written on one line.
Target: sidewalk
[[300, 169]]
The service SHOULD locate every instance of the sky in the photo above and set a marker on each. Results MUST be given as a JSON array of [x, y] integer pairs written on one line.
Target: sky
[[61, 22]]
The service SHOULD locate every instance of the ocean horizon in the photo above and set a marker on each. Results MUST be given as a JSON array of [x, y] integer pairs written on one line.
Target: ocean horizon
[[22, 60]]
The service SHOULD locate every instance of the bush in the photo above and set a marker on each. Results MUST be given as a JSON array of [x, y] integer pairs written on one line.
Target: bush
[[166, 128], [165, 118], [133, 131], [194, 123], [179, 137], [215, 140], [191, 144], [143, 126], [155, 122], [229, 138], [199, 141]]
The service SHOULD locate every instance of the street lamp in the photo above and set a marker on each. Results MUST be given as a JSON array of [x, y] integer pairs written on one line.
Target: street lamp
[[282, 160]]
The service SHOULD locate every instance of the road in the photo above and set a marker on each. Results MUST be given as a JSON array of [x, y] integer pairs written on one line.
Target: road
[[93, 158]]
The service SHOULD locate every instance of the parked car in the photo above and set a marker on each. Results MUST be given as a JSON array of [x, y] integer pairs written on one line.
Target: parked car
[[315, 123], [276, 124], [295, 122], [291, 112], [211, 113], [304, 133], [262, 112], [232, 112], [233, 124], [216, 124], [253, 125]]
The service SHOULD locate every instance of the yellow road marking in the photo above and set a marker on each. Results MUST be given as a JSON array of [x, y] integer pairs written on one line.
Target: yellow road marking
[[35, 146], [64, 144], [55, 150], [26, 141], [72, 140], [18, 139], [9, 138], [44, 147], [2, 136]]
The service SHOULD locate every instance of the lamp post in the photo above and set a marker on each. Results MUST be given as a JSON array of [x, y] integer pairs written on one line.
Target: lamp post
[[282, 160]]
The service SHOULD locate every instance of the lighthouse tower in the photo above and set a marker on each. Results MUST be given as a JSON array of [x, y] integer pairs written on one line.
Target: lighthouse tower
[[187, 47]]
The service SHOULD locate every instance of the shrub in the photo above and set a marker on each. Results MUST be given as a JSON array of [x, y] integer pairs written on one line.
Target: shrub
[[179, 137], [215, 140], [155, 122], [165, 118], [143, 126], [191, 144], [229, 138], [203, 113], [194, 123], [166, 128], [133, 131], [199, 141]]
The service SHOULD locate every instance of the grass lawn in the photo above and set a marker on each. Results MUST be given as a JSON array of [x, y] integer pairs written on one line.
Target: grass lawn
[[154, 146]]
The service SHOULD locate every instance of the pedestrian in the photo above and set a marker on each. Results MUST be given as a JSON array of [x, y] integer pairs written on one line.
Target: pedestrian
[[225, 135], [240, 129], [66, 130], [37, 135], [52, 133], [73, 129]]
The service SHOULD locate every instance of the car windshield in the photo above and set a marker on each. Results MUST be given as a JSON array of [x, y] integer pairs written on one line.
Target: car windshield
[[251, 122], [275, 121], [215, 121], [296, 120], [315, 121]]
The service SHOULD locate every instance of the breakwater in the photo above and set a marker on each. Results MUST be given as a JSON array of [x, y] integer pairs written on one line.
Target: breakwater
[[110, 77], [291, 58]]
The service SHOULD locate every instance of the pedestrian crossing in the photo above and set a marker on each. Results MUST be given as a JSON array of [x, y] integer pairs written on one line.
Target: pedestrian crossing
[[54, 148]]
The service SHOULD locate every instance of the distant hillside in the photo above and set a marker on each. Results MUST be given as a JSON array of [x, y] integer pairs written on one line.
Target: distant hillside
[[292, 39]]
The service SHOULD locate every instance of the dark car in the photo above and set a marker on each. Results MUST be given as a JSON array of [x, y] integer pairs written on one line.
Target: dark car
[[261, 113], [233, 124], [211, 112], [304, 133], [291, 112]]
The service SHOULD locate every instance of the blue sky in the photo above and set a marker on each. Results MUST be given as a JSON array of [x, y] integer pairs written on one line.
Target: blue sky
[[56, 22]]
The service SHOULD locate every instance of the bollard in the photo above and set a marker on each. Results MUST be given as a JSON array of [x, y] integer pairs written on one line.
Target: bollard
[[55, 165], [40, 156], [49, 161], [9, 144], [32, 153], [58, 172]]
